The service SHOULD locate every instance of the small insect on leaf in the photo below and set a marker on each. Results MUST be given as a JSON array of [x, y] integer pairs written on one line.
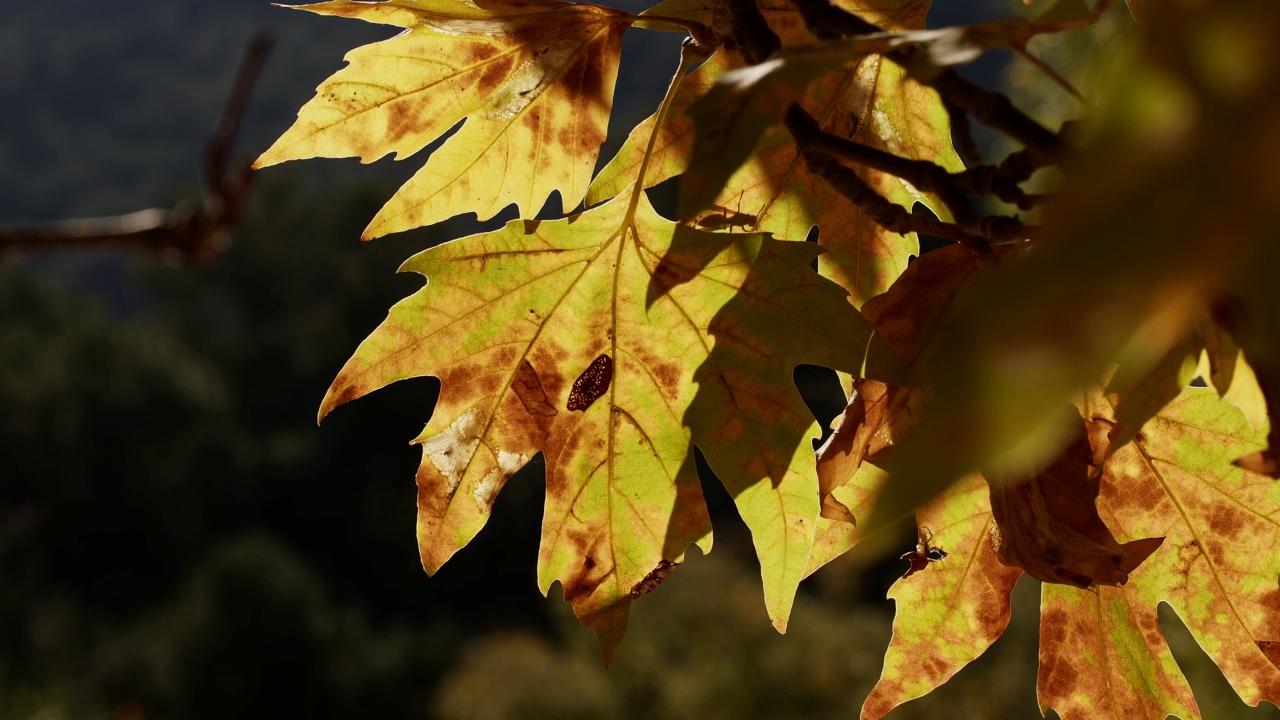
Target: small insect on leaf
[[728, 219], [923, 554], [591, 384]]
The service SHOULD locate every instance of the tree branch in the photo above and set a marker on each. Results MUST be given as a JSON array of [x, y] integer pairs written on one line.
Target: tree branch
[[923, 175], [196, 229]]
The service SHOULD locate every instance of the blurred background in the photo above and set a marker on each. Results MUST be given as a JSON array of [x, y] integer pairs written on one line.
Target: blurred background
[[178, 539]]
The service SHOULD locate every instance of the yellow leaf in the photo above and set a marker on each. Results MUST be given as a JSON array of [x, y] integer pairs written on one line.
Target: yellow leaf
[[950, 612], [874, 103], [610, 341], [533, 78]]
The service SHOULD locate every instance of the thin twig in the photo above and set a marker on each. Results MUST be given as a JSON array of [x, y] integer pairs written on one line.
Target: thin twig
[[1050, 73], [197, 229]]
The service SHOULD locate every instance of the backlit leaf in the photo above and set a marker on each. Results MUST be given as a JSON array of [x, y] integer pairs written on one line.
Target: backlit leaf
[[533, 78], [610, 341], [1217, 567], [950, 612], [873, 103], [1102, 656]]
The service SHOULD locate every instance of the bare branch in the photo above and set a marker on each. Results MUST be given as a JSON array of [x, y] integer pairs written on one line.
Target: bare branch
[[923, 175], [196, 230]]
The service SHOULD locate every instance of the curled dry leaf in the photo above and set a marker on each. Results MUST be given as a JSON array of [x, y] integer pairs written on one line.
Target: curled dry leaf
[[879, 414], [1049, 525]]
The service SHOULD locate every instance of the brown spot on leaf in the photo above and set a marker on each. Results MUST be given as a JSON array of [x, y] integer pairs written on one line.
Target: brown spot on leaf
[[653, 579], [1271, 649], [1225, 521], [528, 388], [591, 384]]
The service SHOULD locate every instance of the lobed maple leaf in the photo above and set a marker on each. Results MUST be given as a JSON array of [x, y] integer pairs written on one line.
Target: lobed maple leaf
[[533, 79], [610, 341]]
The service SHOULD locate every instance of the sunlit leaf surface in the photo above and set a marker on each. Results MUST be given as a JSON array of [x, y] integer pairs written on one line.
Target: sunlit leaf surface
[[609, 341], [533, 78]]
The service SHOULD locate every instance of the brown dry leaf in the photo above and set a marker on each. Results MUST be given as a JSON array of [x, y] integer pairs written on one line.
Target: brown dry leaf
[[1049, 525], [878, 414]]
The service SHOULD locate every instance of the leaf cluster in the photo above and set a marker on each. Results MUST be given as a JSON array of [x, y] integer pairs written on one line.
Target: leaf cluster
[[1025, 391]]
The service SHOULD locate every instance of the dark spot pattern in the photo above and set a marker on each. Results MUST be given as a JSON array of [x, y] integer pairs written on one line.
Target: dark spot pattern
[[591, 384], [653, 579]]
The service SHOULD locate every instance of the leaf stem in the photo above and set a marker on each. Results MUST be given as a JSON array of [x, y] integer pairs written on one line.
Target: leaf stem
[[701, 34]]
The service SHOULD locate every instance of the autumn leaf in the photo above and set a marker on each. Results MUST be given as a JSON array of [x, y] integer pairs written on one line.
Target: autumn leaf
[[949, 613], [1217, 567], [873, 103], [533, 78], [610, 341], [878, 414], [1165, 213], [1102, 655], [1049, 525]]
